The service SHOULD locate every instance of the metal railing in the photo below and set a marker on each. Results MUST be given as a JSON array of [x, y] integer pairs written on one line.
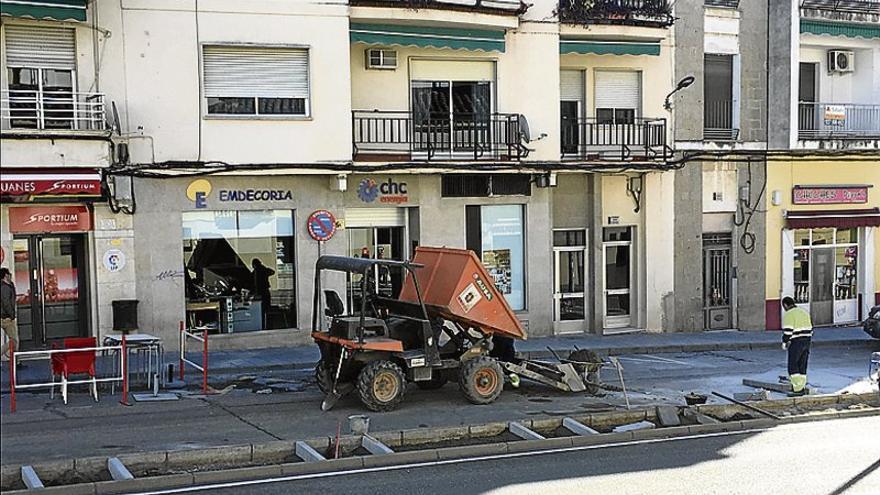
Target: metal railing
[[588, 138], [632, 12], [718, 121], [511, 6], [401, 135], [731, 4], [838, 121], [853, 6], [52, 110]]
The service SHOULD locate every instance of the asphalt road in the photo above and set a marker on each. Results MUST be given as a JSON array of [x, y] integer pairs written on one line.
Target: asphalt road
[[44, 429], [821, 458]]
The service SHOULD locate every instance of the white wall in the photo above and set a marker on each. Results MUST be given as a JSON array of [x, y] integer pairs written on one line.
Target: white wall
[[860, 86]]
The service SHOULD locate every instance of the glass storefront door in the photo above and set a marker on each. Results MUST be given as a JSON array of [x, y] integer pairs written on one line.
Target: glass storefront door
[[617, 253], [377, 243], [569, 297], [50, 281], [822, 278]]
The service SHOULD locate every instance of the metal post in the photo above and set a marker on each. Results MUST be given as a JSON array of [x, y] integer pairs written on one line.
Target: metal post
[[182, 347], [124, 400], [205, 363], [12, 375]]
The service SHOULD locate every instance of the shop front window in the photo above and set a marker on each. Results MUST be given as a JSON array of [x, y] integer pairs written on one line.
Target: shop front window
[[496, 234], [826, 273], [239, 270]]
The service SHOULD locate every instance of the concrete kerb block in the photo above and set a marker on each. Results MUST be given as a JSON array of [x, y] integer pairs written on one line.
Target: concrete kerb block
[[308, 454], [144, 484], [399, 458], [142, 462], [392, 439], [273, 452], [577, 427], [229, 455], [487, 430], [546, 424], [422, 436], [672, 431], [239, 474], [602, 438], [668, 415], [641, 425], [472, 451], [30, 478], [320, 444], [117, 469], [523, 432], [537, 445], [330, 465], [374, 446], [78, 489]]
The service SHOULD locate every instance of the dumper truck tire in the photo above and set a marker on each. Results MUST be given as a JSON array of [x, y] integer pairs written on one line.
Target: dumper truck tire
[[324, 377], [438, 379], [381, 385], [481, 380]]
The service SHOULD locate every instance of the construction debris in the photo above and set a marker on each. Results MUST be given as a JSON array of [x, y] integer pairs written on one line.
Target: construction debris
[[641, 425], [668, 416], [753, 396]]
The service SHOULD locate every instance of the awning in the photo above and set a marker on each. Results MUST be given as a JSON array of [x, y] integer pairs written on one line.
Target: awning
[[848, 29], [83, 183], [842, 219], [603, 47], [57, 10], [427, 37]]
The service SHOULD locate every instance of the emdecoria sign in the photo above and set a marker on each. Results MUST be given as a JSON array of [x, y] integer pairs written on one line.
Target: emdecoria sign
[[199, 190]]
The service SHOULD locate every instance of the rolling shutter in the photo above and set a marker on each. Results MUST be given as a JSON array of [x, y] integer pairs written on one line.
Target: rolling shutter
[[618, 89], [571, 85], [243, 72], [375, 217], [40, 47]]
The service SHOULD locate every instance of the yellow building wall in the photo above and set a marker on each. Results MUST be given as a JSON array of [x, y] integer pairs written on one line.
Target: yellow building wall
[[782, 176]]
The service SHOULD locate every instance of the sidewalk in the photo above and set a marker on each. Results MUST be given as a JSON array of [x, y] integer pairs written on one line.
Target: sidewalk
[[300, 357]]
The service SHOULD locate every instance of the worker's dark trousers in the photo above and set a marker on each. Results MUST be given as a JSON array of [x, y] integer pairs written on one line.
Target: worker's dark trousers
[[798, 355]]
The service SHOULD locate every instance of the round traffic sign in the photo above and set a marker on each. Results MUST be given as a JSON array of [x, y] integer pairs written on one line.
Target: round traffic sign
[[322, 225]]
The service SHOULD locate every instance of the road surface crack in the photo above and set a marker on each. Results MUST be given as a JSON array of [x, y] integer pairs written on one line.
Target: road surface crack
[[243, 420]]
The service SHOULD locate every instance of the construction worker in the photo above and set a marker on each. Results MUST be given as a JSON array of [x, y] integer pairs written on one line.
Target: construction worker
[[797, 333]]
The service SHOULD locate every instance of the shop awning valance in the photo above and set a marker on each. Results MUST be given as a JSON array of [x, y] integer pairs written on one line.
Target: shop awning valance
[[57, 10], [428, 37], [609, 47], [848, 29], [79, 183], [842, 219]]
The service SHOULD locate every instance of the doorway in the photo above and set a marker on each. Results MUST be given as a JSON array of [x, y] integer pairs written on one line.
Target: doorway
[[377, 243], [822, 285], [570, 273], [717, 281], [807, 96], [50, 278], [451, 116], [570, 112], [617, 277]]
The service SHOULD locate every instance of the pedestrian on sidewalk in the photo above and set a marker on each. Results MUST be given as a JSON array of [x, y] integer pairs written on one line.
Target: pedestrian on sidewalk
[[796, 337], [7, 310]]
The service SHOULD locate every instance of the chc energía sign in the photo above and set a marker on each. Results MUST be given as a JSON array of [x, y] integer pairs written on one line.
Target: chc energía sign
[[199, 190], [388, 191]]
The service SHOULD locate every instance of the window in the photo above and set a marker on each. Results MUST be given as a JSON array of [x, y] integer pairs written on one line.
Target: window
[[239, 270], [259, 81], [618, 96], [718, 112], [495, 233], [485, 185], [381, 59]]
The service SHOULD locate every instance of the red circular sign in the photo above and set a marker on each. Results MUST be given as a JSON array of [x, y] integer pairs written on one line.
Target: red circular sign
[[322, 225]]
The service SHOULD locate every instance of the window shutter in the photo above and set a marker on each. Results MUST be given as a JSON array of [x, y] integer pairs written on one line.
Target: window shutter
[[40, 47], [618, 89], [375, 217], [571, 85], [245, 72]]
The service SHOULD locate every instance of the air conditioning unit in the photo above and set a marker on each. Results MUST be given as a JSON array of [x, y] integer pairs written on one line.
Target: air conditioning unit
[[841, 61], [381, 58]]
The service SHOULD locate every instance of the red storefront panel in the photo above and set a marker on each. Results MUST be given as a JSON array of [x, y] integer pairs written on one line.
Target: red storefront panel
[[36, 219]]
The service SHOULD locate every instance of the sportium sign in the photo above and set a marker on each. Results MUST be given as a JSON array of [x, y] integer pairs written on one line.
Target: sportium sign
[[829, 195], [35, 219]]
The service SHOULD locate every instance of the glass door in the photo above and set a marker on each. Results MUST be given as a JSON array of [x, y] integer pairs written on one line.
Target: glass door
[[451, 116], [50, 279], [822, 283], [570, 111], [569, 297], [377, 243], [617, 254]]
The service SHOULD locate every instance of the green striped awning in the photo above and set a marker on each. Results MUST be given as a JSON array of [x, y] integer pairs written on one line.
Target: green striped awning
[[601, 47], [428, 37], [57, 10], [848, 29]]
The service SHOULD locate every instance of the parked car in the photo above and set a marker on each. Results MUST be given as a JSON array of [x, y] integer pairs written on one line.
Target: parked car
[[872, 323]]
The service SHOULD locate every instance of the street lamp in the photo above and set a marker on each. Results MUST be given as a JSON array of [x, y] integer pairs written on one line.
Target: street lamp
[[685, 82]]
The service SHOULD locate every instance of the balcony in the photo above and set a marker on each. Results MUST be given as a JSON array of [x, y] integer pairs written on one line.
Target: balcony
[[509, 7], [650, 13], [818, 121], [718, 121], [48, 112], [408, 136], [592, 139], [843, 6]]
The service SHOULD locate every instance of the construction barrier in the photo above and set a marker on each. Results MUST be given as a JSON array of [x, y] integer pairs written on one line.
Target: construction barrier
[[48, 353], [202, 339]]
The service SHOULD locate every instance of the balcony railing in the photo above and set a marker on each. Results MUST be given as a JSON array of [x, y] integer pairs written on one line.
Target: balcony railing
[[730, 4], [498, 6], [850, 6], [52, 111], [718, 121], [403, 136], [631, 12], [838, 121], [591, 139]]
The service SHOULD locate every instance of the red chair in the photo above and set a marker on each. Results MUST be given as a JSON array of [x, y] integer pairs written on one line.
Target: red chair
[[71, 363]]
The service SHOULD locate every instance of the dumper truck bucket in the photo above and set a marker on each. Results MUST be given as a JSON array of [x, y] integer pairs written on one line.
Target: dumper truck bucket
[[455, 285]]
